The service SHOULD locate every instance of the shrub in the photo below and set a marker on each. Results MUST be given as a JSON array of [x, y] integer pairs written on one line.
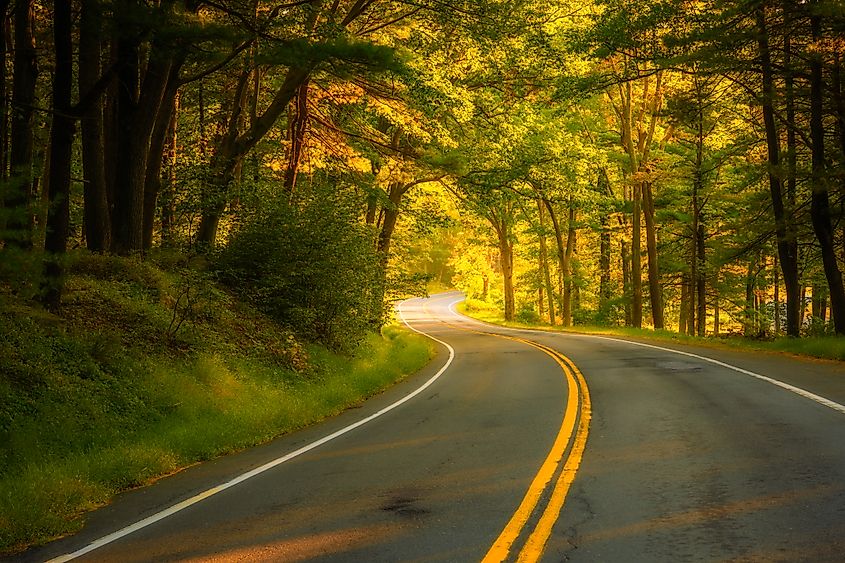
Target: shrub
[[313, 268]]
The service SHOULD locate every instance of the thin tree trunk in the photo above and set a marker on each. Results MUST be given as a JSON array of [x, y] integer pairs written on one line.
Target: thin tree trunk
[[786, 238], [561, 254], [169, 191], [701, 283], [777, 295], [716, 309], [682, 315], [6, 48], [691, 290], [604, 248], [299, 127], [636, 259], [156, 151], [571, 234], [506, 253], [228, 156], [654, 289], [750, 305], [626, 279], [544, 264]]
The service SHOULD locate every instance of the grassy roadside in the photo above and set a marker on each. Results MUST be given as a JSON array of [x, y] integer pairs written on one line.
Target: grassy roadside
[[112, 394], [824, 347]]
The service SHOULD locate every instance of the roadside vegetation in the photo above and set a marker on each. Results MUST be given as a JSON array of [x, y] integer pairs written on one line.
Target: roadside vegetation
[[826, 347], [149, 367]]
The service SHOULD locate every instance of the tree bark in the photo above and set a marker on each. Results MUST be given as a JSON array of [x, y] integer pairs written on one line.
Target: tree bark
[[6, 47], [155, 153], [506, 257], [169, 187], [561, 255], [544, 263], [18, 201], [571, 234], [701, 283], [777, 295], [820, 203], [604, 249], [96, 205], [655, 291], [298, 129], [787, 243], [61, 152], [636, 259], [684, 310]]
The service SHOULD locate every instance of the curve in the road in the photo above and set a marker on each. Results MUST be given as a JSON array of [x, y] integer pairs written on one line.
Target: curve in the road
[[558, 461], [170, 511]]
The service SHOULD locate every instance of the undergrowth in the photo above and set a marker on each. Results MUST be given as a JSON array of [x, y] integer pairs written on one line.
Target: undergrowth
[[826, 347], [149, 368]]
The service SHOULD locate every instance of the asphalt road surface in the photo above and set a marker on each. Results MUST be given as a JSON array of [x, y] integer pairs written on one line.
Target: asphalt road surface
[[522, 445]]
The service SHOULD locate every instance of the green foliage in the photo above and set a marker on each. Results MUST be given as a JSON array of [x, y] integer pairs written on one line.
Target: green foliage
[[311, 268], [103, 398]]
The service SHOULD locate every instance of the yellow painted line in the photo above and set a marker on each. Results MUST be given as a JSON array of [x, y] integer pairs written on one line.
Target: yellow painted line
[[536, 542], [502, 546], [533, 548]]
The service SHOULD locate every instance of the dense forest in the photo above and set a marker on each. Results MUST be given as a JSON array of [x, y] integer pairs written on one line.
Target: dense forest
[[673, 164]]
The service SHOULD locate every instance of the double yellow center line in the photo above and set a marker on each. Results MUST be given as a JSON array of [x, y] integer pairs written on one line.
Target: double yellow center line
[[570, 438], [567, 450], [563, 460]]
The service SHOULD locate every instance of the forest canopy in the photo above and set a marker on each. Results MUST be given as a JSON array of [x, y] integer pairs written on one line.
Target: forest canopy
[[673, 164]]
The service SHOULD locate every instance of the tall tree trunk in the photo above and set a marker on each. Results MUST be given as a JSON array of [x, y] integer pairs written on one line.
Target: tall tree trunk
[[571, 234], [626, 279], [604, 248], [636, 259], [141, 118], [506, 256], [693, 277], [19, 199], [156, 153], [776, 272], [6, 48], [61, 148], [298, 129], [700, 283], [169, 188], [750, 304], [544, 263], [716, 309], [604, 265], [655, 291], [787, 243], [96, 205], [820, 204], [561, 255], [127, 210], [684, 309]]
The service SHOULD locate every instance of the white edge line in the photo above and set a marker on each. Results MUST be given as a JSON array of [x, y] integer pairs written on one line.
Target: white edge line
[[792, 388], [797, 390], [123, 532]]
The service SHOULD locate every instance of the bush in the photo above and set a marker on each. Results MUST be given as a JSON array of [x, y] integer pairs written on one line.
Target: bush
[[312, 268]]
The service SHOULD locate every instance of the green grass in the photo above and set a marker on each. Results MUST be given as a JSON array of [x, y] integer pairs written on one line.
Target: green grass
[[107, 396], [825, 347]]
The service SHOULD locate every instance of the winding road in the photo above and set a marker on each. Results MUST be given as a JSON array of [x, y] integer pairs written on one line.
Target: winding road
[[522, 445]]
